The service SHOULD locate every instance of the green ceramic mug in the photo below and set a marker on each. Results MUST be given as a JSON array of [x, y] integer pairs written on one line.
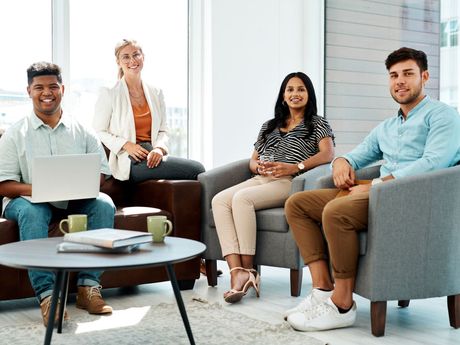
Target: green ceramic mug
[[75, 222], [159, 227]]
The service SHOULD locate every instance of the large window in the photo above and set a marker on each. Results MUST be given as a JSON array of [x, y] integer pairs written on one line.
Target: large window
[[449, 33], [25, 27], [86, 32], [160, 26], [449, 55]]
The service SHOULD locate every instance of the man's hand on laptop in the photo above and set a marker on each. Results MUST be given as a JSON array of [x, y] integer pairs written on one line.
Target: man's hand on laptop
[[13, 189]]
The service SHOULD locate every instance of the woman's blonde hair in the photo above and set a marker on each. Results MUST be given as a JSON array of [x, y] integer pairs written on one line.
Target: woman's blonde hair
[[120, 45]]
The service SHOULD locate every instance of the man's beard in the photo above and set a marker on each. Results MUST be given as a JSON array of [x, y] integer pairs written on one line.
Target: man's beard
[[410, 98]]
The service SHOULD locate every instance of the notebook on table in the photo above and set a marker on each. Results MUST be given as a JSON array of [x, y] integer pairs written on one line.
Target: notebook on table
[[109, 238], [65, 177]]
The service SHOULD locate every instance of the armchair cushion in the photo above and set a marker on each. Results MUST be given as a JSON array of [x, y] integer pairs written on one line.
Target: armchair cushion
[[268, 220]]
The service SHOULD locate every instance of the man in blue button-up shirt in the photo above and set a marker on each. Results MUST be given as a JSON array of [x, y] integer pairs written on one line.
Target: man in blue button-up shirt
[[47, 131], [422, 137]]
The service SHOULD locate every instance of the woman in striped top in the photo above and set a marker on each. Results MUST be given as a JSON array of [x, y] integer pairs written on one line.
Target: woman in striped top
[[295, 140]]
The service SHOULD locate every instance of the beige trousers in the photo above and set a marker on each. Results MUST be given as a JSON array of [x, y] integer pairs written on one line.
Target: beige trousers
[[234, 211]]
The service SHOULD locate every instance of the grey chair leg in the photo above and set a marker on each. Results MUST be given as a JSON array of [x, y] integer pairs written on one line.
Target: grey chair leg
[[296, 282], [453, 305], [211, 272], [378, 318], [404, 303]]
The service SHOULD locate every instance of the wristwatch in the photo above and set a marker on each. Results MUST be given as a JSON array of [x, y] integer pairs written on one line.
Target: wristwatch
[[301, 166], [376, 181]]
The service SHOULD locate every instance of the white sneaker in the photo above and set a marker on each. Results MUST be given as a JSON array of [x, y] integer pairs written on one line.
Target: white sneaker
[[315, 297], [321, 317]]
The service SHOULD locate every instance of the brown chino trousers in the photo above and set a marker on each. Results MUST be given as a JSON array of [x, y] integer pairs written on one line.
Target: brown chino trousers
[[341, 219]]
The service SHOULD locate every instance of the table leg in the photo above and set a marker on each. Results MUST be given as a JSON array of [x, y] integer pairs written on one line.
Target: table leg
[[64, 291], [180, 302], [54, 301]]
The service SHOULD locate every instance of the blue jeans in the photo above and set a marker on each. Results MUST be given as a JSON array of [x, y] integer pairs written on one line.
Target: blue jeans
[[33, 221]]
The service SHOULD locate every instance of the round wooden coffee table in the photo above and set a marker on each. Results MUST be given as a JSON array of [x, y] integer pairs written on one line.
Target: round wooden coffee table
[[41, 254]]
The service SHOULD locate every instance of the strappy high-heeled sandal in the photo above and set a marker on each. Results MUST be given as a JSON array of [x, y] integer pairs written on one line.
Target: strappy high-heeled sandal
[[233, 295], [255, 280]]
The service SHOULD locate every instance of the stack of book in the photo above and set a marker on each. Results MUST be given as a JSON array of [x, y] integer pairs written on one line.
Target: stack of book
[[103, 241]]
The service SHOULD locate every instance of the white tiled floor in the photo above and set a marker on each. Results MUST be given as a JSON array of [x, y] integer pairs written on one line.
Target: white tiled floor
[[423, 322]]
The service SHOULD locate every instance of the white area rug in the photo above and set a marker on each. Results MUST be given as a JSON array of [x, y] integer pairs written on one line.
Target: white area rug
[[211, 324]]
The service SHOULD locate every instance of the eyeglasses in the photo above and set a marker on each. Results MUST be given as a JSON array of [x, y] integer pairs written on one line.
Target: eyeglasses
[[127, 58]]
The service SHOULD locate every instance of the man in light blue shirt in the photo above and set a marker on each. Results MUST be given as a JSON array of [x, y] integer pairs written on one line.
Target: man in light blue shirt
[[422, 137], [47, 131]]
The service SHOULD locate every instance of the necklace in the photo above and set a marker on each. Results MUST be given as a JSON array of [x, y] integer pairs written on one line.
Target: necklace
[[294, 121], [140, 95], [137, 99]]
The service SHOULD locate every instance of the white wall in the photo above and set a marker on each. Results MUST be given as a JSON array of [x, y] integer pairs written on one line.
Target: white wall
[[249, 46], [359, 36]]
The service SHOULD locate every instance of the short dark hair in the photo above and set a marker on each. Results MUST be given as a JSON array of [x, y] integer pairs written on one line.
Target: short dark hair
[[403, 54], [43, 68]]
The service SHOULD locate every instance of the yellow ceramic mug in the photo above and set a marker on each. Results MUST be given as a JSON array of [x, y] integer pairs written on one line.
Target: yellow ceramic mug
[[159, 227]]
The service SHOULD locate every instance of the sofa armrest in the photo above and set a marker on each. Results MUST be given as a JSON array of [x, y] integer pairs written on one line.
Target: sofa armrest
[[212, 182], [413, 238], [181, 198], [367, 173], [308, 179], [220, 178]]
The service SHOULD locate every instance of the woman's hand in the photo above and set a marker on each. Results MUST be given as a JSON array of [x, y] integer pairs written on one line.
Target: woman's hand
[[155, 157], [136, 151], [279, 169], [260, 168]]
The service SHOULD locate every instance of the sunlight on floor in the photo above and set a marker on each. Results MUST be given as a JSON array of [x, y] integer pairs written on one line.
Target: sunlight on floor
[[119, 318]]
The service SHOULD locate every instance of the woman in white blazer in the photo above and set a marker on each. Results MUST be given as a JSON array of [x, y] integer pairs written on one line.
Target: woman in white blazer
[[130, 120]]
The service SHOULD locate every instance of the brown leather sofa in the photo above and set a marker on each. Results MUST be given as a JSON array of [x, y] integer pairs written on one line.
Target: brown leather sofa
[[178, 200]]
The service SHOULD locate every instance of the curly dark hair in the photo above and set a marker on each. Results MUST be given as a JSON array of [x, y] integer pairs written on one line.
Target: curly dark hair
[[43, 68]]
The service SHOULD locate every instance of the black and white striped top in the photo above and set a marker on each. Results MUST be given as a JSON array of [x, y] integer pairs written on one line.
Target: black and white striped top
[[296, 145]]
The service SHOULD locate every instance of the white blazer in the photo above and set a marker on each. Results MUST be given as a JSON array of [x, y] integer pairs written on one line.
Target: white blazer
[[114, 123]]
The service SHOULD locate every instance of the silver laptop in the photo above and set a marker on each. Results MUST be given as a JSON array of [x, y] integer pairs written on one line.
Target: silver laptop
[[65, 177]]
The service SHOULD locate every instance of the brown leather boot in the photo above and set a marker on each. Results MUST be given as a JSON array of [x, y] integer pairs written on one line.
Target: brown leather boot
[[45, 306], [90, 299]]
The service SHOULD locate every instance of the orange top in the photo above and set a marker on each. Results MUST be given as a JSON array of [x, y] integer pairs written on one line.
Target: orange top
[[143, 122]]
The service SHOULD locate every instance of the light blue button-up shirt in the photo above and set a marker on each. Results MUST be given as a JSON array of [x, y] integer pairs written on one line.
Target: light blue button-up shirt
[[31, 137], [429, 139]]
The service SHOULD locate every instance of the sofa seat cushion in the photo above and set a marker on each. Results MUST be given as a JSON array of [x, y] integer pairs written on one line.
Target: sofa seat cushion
[[271, 219], [135, 217], [129, 218]]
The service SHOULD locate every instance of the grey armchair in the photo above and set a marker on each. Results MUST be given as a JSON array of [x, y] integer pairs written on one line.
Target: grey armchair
[[275, 244], [412, 247]]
